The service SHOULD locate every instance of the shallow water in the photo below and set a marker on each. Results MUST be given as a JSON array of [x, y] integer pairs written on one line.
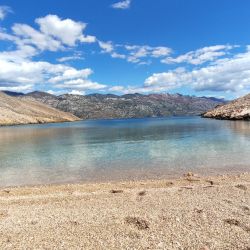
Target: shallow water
[[121, 149]]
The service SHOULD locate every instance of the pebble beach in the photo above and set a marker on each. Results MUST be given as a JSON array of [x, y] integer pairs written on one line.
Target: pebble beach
[[190, 212]]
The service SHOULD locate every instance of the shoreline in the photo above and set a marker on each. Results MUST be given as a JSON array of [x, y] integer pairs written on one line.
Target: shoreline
[[153, 175], [189, 178], [190, 212], [192, 177], [35, 123]]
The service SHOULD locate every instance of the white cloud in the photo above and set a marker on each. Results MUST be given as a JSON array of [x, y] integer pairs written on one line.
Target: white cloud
[[67, 31], [81, 84], [19, 55], [137, 52], [125, 4], [117, 55], [70, 58], [200, 56], [134, 53], [117, 88], [76, 92], [4, 10], [161, 51], [28, 35], [54, 34], [5, 36], [71, 73], [228, 74], [28, 74], [17, 88], [53, 92], [107, 47], [19, 71]]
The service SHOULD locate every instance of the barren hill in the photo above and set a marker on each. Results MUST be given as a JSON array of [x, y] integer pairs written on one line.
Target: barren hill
[[238, 109], [26, 111]]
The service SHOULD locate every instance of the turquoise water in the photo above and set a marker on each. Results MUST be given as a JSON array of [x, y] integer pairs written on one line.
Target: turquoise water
[[121, 149]]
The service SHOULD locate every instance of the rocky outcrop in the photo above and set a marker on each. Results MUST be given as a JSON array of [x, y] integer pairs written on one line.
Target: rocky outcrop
[[238, 109], [14, 110], [108, 106]]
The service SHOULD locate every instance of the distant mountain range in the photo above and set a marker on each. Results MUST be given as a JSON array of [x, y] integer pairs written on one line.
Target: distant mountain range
[[15, 110], [108, 106], [238, 109]]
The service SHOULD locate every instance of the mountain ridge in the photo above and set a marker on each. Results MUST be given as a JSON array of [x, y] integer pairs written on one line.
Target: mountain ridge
[[109, 106]]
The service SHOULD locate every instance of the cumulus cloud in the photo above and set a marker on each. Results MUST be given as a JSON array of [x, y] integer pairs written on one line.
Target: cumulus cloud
[[125, 4], [117, 88], [17, 88], [134, 53], [107, 47], [81, 84], [28, 35], [20, 72], [30, 73], [200, 56], [53, 34], [4, 10], [71, 73], [117, 55], [228, 74], [76, 92], [67, 31], [19, 55], [212, 68]]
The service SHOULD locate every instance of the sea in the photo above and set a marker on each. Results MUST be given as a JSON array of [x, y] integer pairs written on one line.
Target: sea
[[122, 149]]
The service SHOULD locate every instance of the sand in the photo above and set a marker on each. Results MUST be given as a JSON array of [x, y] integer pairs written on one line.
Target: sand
[[191, 212]]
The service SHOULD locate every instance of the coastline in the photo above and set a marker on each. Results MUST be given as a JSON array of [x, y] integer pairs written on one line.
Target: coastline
[[190, 212], [36, 123]]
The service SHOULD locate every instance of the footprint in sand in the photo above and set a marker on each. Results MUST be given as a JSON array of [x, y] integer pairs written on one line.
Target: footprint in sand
[[234, 222], [3, 214], [242, 187], [246, 209], [116, 191], [139, 223], [142, 193]]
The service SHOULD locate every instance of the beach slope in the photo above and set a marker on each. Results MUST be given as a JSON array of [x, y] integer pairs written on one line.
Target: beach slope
[[187, 213]]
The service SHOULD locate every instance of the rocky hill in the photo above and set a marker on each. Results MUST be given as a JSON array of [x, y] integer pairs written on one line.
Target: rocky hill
[[238, 109], [14, 110], [98, 106]]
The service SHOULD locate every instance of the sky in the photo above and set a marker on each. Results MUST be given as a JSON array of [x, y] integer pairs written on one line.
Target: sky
[[190, 47]]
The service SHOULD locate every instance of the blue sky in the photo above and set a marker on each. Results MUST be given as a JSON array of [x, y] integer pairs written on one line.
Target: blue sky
[[110, 46]]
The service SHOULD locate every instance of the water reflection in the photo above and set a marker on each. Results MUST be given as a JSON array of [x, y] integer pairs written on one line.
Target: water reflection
[[111, 149], [240, 127]]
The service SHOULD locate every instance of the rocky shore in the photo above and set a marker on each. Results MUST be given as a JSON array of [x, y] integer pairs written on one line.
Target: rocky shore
[[191, 212], [238, 109]]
